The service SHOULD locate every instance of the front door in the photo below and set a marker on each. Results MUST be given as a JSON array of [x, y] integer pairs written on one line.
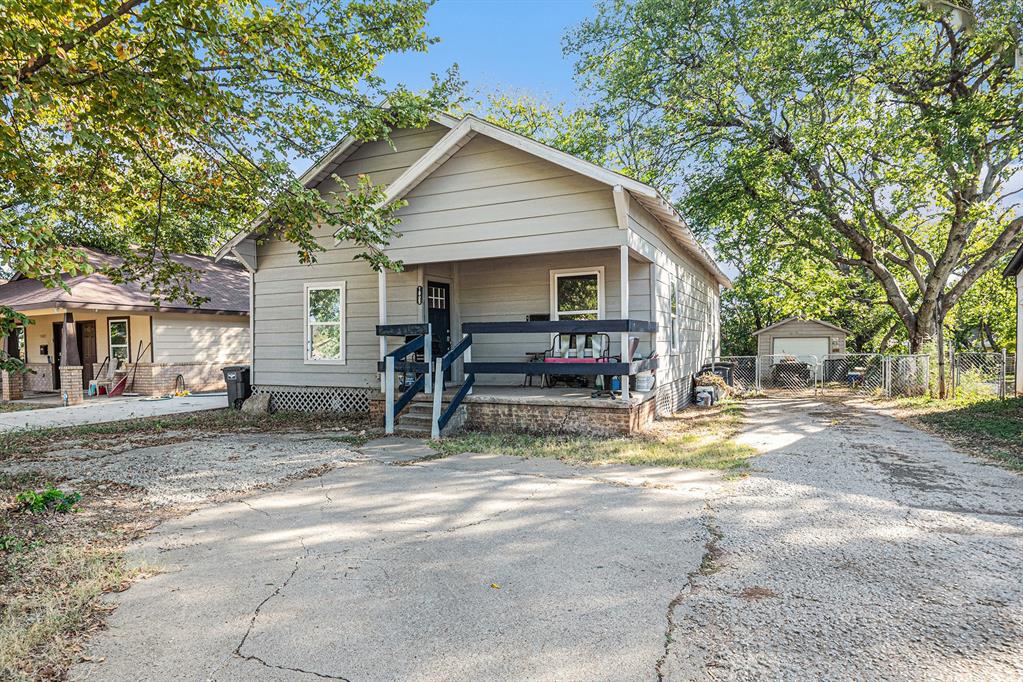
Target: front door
[[87, 349], [438, 314], [58, 339]]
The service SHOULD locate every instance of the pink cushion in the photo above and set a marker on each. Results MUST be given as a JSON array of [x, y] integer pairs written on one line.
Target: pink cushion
[[571, 360]]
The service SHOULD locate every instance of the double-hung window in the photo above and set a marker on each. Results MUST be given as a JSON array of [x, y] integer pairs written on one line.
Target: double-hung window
[[325, 323], [577, 294], [120, 343]]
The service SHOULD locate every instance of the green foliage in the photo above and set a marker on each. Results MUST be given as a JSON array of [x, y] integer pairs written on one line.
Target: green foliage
[[147, 128], [867, 148], [48, 499]]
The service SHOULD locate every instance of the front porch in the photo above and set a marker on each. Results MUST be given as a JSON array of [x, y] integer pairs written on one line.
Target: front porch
[[531, 409], [431, 406]]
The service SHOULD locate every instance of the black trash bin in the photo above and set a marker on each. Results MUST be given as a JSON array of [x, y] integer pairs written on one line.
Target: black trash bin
[[239, 388]]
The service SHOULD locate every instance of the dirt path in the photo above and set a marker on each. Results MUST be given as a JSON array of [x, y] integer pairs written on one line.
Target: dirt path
[[858, 548]]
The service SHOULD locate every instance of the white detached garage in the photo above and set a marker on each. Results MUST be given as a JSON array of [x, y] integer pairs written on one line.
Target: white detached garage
[[805, 340]]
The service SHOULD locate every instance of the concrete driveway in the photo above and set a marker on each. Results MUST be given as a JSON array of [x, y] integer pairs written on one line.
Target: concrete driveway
[[857, 548], [99, 410], [466, 568]]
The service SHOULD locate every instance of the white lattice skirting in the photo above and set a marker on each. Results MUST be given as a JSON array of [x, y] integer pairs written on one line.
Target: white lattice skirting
[[675, 396], [317, 399]]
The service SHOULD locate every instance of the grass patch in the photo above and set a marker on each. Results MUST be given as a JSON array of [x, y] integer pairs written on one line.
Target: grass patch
[[174, 427], [694, 439], [989, 427], [53, 569], [17, 406]]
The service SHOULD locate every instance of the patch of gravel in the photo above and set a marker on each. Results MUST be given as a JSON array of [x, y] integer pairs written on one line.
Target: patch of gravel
[[196, 470], [857, 548]]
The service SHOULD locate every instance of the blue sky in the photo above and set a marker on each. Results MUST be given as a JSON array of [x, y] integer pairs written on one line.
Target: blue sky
[[498, 45]]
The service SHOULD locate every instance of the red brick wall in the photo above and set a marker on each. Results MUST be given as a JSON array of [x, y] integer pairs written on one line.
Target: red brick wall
[[42, 379], [11, 385], [589, 420], [161, 378], [71, 383]]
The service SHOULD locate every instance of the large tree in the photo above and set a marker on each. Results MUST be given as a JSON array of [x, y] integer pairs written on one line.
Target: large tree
[[147, 127], [873, 136]]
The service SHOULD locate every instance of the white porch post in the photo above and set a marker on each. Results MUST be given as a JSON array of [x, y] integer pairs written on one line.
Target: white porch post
[[382, 307], [624, 276]]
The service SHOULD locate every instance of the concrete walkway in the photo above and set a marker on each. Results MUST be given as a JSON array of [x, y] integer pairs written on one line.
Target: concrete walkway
[[99, 410], [858, 548], [464, 568]]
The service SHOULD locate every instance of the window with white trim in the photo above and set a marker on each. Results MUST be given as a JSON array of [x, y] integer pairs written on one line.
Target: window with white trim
[[118, 340], [325, 323], [577, 294]]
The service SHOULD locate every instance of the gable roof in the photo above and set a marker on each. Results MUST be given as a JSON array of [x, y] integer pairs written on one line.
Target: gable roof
[[462, 131], [225, 284], [801, 319], [1015, 265]]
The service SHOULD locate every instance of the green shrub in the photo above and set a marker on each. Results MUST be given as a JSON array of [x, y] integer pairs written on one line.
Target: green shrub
[[51, 498]]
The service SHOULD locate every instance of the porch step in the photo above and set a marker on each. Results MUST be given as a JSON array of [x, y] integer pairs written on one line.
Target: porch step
[[418, 420]]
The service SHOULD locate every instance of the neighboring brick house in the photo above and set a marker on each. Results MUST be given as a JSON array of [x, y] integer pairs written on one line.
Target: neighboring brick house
[[98, 321]]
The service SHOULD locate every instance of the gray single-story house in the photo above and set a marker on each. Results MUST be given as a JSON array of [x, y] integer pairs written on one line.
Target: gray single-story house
[[97, 328], [801, 338], [505, 244]]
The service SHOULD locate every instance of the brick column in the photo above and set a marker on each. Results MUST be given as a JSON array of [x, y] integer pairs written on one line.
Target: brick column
[[12, 386], [71, 383]]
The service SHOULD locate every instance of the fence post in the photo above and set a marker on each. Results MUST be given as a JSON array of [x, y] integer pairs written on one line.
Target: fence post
[[1001, 382], [756, 372], [886, 375]]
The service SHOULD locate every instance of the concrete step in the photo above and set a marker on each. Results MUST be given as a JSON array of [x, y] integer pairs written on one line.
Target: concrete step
[[416, 431], [420, 422], [411, 418]]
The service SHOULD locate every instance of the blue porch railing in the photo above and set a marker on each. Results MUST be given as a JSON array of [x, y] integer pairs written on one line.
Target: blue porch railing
[[396, 361], [442, 417]]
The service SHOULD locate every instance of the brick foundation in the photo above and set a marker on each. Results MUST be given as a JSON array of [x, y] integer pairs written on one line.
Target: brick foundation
[[161, 378], [12, 386], [40, 376], [71, 383], [485, 413]]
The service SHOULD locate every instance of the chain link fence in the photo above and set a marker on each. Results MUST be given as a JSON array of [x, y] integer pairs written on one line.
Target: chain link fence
[[857, 372], [980, 374], [908, 375], [860, 373]]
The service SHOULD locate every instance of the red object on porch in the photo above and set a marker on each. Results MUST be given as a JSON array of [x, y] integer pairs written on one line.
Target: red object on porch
[[571, 360], [118, 388]]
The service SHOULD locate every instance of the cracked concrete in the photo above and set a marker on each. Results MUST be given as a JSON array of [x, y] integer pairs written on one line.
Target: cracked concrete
[[858, 548], [464, 568]]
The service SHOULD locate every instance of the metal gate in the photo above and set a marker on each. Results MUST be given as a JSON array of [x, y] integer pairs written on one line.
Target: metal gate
[[861, 373], [980, 374]]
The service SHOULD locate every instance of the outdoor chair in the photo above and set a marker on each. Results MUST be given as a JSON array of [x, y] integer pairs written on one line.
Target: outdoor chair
[[576, 348]]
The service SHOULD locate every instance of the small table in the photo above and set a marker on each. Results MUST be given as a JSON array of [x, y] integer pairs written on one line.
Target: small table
[[534, 356]]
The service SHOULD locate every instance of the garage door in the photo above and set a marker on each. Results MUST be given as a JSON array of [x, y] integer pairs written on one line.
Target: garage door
[[802, 346]]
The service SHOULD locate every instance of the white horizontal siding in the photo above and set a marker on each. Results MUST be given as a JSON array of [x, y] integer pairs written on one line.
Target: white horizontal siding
[[492, 200], [200, 338], [699, 312]]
